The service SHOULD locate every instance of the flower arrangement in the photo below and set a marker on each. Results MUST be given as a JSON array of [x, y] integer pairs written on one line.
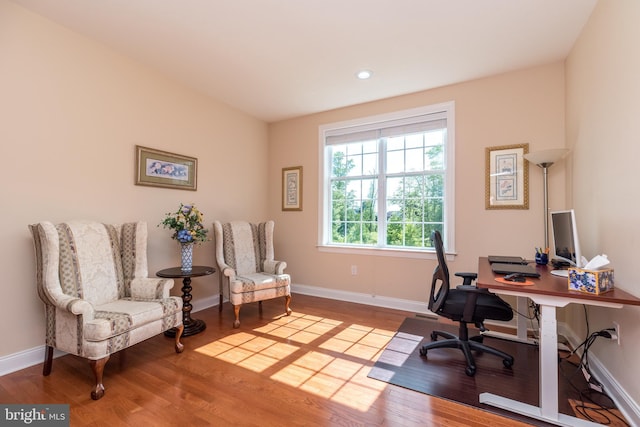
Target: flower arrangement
[[187, 225]]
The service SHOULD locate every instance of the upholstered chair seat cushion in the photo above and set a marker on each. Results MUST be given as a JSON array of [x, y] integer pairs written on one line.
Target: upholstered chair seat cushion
[[245, 257], [98, 298], [251, 282], [124, 316]]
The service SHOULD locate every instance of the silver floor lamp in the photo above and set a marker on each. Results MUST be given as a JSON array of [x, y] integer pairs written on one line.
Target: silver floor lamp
[[545, 159]]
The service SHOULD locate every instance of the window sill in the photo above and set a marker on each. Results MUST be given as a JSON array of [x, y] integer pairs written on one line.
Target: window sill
[[385, 252]]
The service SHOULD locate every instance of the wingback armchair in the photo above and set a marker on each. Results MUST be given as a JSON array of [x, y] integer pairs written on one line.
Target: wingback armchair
[[245, 257], [98, 300]]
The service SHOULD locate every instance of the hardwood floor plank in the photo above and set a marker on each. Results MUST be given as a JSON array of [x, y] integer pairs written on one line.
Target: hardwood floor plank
[[309, 369]]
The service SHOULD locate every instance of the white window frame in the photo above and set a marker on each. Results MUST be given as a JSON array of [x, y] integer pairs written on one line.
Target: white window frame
[[324, 223]]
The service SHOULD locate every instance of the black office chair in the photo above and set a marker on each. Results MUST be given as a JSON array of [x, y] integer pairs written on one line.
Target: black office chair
[[465, 304]]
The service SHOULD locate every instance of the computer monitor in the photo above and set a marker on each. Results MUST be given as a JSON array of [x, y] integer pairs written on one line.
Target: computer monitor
[[566, 245]]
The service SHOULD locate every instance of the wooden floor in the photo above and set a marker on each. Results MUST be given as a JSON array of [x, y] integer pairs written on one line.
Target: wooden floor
[[309, 369]]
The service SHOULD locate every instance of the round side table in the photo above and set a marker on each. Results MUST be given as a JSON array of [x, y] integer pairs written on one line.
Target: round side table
[[191, 326]]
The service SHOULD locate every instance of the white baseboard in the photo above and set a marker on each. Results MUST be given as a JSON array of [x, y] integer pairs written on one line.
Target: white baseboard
[[374, 300], [204, 303], [24, 359], [612, 388], [630, 409]]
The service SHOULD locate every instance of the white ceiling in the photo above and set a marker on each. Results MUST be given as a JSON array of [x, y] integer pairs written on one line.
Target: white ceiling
[[277, 59]]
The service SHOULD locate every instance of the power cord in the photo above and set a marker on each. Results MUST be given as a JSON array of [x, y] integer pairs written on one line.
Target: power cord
[[599, 411], [589, 404], [594, 387]]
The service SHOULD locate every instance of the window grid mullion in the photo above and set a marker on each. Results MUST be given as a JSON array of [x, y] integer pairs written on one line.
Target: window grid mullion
[[382, 192], [419, 198]]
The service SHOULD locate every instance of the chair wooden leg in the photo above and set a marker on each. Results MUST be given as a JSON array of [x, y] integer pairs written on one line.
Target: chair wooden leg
[[48, 360], [236, 311], [97, 366], [287, 300], [179, 346]]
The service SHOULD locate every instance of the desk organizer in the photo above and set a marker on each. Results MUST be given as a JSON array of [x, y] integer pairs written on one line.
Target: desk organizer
[[590, 281]]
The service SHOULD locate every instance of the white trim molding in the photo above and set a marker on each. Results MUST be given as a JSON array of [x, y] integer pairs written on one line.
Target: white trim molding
[[626, 405]]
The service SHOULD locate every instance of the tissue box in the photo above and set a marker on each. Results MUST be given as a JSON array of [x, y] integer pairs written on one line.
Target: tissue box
[[590, 281]]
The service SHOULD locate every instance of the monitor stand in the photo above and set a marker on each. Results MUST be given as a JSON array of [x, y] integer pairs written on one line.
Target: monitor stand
[[560, 273]]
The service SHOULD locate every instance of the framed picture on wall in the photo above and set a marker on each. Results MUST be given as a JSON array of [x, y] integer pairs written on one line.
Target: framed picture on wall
[[158, 168], [292, 189], [507, 177]]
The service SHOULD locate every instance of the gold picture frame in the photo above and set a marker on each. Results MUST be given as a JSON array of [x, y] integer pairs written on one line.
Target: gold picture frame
[[292, 188], [157, 168], [507, 177]]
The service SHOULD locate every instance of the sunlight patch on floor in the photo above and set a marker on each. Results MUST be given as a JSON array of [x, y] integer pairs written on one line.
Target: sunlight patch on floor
[[337, 372]]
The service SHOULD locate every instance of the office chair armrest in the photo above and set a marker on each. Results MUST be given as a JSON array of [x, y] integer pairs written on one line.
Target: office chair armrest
[[468, 277], [470, 302]]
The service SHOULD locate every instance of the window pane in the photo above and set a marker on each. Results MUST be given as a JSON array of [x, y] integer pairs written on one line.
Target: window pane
[[369, 147], [414, 141], [339, 165], [353, 233], [414, 175], [338, 232], [395, 187], [394, 234], [395, 161], [428, 229], [434, 158], [354, 189], [413, 209], [355, 165], [434, 186], [395, 143], [354, 149], [370, 233], [414, 160], [436, 137], [394, 210], [434, 211], [370, 164]]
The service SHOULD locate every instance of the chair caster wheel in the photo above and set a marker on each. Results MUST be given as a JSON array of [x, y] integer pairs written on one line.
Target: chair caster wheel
[[470, 371], [423, 351], [434, 336], [507, 363]]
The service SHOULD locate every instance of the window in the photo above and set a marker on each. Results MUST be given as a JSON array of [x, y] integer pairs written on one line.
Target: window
[[388, 180]]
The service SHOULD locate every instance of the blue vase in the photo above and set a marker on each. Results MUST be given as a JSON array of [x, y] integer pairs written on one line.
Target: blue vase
[[186, 257]]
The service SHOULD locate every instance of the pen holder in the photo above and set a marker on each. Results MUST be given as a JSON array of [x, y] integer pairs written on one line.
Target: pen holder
[[542, 258]]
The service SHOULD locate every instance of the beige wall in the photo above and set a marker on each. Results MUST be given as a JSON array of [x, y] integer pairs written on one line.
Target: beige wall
[[603, 125], [73, 110], [71, 113], [519, 107]]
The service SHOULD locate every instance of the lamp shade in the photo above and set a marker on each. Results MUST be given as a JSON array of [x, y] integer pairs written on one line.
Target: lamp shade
[[547, 157]]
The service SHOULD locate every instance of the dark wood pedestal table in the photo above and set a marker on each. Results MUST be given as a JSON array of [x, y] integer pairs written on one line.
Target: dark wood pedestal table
[[191, 326]]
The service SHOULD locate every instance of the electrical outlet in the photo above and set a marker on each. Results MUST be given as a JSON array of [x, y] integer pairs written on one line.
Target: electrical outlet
[[354, 270], [616, 326]]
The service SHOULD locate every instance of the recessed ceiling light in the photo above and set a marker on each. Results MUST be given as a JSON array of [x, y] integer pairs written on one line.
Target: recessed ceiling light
[[364, 74]]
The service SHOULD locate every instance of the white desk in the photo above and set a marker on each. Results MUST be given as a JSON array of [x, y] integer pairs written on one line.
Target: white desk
[[550, 292]]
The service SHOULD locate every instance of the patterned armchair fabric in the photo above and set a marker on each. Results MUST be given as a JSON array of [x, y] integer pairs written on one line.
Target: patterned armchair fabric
[[92, 278], [244, 253]]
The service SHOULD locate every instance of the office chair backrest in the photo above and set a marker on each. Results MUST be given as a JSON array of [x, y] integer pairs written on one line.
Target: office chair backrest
[[440, 274]]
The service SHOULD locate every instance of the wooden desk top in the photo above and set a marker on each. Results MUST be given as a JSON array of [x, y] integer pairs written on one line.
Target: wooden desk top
[[548, 284]]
